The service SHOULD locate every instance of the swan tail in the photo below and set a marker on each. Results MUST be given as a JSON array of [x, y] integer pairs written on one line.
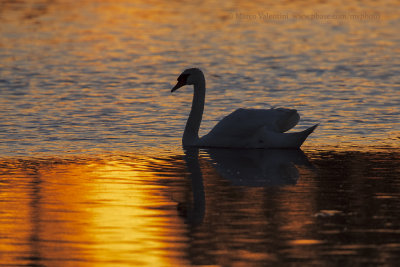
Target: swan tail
[[304, 134], [269, 139], [308, 131]]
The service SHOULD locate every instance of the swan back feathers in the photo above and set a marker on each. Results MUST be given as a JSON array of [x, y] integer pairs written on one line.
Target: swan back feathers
[[242, 121]]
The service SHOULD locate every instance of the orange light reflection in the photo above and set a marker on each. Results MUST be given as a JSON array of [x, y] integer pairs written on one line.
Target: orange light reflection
[[89, 210]]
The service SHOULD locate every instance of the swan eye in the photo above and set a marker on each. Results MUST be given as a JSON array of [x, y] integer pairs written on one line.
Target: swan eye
[[183, 78]]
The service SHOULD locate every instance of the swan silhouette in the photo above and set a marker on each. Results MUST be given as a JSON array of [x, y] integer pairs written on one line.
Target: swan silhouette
[[243, 128]]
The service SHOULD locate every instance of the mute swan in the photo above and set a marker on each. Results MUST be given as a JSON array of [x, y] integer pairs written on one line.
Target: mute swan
[[243, 128]]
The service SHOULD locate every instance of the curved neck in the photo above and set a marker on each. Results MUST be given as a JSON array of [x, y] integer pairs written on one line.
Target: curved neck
[[191, 133]]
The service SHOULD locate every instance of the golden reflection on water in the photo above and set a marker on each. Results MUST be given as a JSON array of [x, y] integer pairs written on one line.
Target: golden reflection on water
[[219, 207], [89, 210]]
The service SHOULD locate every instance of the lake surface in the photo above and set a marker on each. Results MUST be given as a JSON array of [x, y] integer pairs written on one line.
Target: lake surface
[[92, 168], [216, 207]]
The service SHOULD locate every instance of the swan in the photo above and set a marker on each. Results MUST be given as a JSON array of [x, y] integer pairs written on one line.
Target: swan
[[243, 128]]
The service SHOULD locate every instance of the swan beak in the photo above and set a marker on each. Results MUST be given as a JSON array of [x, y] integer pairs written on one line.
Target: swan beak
[[178, 85]]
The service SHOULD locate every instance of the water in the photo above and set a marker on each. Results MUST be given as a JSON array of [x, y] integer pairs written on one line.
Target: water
[[92, 171], [96, 76], [251, 207]]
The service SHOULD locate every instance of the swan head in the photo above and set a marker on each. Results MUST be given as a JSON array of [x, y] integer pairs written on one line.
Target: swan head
[[188, 77]]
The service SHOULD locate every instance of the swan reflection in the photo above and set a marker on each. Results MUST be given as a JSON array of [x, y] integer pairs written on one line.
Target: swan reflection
[[258, 167], [242, 167]]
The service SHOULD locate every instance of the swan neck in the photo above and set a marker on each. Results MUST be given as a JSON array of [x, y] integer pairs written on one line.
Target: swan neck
[[191, 133]]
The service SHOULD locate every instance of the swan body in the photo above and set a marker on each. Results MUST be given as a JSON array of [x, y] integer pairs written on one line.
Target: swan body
[[243, 128]]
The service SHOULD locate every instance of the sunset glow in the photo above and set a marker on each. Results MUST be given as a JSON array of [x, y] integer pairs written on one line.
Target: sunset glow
[[92, 167]]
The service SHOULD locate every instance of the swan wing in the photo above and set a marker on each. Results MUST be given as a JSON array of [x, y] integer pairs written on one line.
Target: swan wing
[[241, 122]]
